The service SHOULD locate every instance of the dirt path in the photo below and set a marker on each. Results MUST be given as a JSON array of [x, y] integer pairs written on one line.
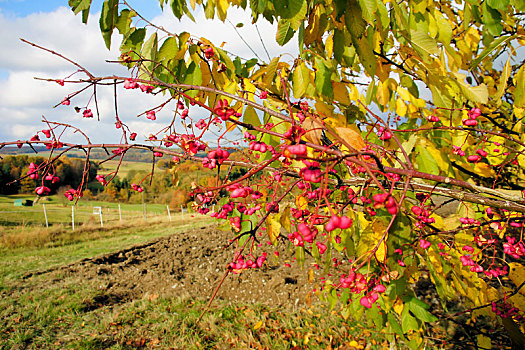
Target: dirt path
[[189, 264]]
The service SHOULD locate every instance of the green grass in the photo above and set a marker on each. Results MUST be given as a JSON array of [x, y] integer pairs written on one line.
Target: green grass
[[14, 219], [125, 167], [39, 313]]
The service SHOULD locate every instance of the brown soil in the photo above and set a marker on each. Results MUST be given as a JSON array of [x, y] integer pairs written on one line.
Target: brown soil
[[191, 264]]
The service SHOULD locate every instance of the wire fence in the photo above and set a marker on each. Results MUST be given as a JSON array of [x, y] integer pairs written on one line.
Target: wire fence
[[45, 215]]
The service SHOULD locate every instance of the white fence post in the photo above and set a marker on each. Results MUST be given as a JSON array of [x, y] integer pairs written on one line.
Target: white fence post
[[169, 213], [45, 215], [73, 217], [119, 213]]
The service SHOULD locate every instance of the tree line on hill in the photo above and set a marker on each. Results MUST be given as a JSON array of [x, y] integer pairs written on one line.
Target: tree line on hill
[[171, 186]]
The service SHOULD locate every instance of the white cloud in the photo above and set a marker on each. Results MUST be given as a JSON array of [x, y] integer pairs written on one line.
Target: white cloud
[[25, 100]]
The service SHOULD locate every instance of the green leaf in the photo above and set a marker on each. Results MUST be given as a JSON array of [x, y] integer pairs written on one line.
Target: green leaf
[[149, 53], [408, 322], [339, 45], [425, 162], [301, 80], [354, 19], [368, 8], [225, 59], [377, 317], [394, 324], [519, 91], [419, 309], [489, 49], [108, 19], [251, 117], [323, 82], [366, 55], [123, 23], [492, 19], [288, 8], [193, 77], [79, 5], [423, 43], [299, 256], [134, 40], [498, 4], [284, 32], [177, 7], [169, 49]]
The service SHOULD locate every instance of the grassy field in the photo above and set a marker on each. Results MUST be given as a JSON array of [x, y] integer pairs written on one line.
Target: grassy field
[[59, 213], [38, 313], [125, 167]]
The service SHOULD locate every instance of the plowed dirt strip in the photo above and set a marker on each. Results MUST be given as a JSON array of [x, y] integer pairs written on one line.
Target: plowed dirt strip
[[189, 264]]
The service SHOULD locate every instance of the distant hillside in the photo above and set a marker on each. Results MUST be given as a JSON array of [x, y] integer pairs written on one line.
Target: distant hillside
[[133, 155]]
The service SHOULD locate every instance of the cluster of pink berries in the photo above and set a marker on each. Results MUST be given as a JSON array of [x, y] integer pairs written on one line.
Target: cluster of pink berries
[[50, 177], [242, 264], [258, 146], [335, 222], [101, 179], [137, 188], [215, 157], [473, 115], [209, 53], [384, 134], [32, 172], [469, 221], [422, 216], [516, 250], [201, 124], [132, 84], [312, 172], [295, 151], [151, 115], [42, 190], [371, 298], [505, 310], [223, 110], [303, 234], [72, 193], [385, 200], [87, 113]]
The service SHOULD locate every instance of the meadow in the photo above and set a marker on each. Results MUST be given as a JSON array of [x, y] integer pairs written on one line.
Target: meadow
[[45, 308]]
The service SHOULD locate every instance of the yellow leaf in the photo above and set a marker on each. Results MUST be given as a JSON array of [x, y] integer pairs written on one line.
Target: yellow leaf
[[310, 275], [517, 300], [354, 93], [398, 306], [381, 251], [484, 170], [370, 238], [351, 138], [250, 89], [484, 342], [273, 229], [314, 130], [258, 325], [517, 275], [324, 109], [383, 94], [404, 94], [301, 202], [341, 93], [285, 219], [401, 107]]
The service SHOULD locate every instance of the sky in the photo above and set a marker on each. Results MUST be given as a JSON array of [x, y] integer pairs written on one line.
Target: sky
[[24, 100]]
